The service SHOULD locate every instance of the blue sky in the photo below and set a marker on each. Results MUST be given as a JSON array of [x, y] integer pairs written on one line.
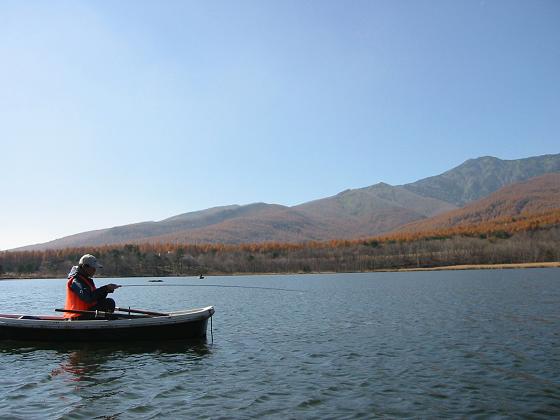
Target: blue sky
[[119, 112]]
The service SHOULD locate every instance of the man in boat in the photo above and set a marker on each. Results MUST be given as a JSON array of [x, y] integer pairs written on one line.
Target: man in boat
[[81, 293]]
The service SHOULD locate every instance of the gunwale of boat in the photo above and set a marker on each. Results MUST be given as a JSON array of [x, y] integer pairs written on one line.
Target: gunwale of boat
[[174, 317]]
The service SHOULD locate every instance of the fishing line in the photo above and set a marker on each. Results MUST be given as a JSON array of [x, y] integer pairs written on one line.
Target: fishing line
[[211, 285]]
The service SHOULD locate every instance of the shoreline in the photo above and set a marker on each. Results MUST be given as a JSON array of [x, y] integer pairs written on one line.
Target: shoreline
[[554, 264], [485, 267]]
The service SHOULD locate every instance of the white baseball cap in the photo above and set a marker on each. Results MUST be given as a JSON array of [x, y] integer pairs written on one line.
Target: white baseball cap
[[90, 261]]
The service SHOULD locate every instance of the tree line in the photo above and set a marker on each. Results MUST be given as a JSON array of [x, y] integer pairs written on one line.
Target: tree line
[[537, 243]]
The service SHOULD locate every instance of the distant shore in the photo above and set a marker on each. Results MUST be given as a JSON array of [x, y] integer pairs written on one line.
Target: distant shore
[[555, 264], [485, 266]]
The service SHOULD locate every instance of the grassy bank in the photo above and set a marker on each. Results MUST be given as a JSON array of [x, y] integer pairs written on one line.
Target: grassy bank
[[487, 266]]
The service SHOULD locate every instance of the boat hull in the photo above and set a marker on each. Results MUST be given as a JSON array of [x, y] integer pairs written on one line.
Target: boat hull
[[178, 325]]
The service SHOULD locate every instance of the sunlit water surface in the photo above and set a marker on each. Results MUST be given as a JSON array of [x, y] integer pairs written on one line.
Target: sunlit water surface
[[397, 345]]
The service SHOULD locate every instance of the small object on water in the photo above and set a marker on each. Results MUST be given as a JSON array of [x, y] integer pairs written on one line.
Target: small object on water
[[156, 281], [201, 276], [148, 325]]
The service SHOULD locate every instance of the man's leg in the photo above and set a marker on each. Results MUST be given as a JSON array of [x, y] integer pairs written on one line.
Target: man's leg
[[104, 305]]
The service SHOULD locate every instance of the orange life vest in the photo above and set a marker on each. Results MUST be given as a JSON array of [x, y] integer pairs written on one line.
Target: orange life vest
[[73, 301]]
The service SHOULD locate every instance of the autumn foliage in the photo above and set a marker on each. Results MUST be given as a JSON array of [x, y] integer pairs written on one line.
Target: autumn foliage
[[521, 238]]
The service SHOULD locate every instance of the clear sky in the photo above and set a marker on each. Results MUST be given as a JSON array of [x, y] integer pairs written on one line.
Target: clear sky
[[114, 112]]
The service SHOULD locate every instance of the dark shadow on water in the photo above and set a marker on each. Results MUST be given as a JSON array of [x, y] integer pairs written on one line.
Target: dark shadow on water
[[83, 361], [198, 347]]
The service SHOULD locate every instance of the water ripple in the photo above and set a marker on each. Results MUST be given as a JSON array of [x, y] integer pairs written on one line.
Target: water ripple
[[389, 345]]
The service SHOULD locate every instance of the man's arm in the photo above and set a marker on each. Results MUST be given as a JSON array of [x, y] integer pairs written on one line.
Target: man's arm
[[86, 294]]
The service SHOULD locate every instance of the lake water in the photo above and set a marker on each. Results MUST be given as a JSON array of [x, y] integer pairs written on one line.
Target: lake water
[[473, 344]]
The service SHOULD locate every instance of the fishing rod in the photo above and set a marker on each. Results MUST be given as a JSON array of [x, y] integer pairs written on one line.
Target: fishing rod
[[211, 285]]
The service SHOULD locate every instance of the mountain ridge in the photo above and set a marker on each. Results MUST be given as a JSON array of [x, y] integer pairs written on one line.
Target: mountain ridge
[[476, 178], [534, 196], [352, 213]]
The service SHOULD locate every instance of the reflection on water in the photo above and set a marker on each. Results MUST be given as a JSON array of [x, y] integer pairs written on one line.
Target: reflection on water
[[77, 376], [84, 360], [84, 363], [199, 347]]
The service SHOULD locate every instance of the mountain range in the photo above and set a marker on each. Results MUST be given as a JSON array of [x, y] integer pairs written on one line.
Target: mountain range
[[535, 196], [353, 213]]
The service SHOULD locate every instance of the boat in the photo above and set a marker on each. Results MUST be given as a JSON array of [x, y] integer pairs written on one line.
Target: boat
[[131, 325]]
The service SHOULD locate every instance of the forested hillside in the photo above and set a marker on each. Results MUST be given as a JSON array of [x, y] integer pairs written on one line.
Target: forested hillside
[[529, 238], [537, 196]]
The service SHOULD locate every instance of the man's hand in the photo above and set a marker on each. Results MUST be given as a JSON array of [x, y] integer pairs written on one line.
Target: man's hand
[[111, 287]]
